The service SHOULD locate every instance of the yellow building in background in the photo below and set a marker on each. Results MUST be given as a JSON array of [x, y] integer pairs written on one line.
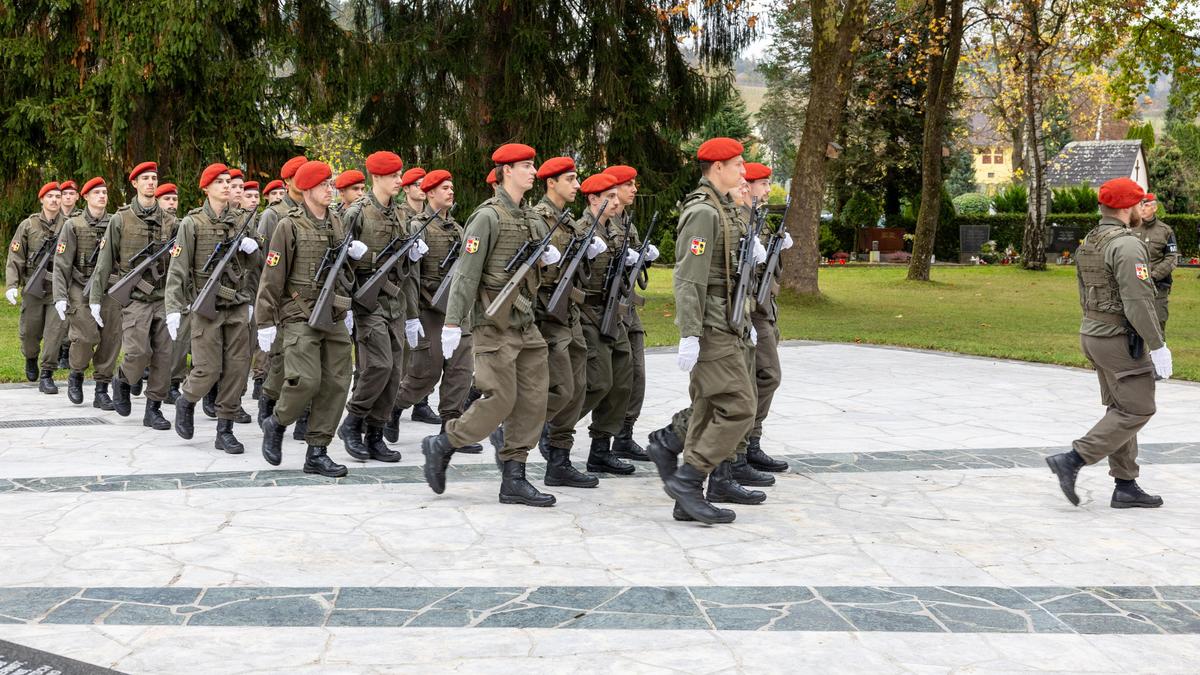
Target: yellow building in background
[[993, 167]]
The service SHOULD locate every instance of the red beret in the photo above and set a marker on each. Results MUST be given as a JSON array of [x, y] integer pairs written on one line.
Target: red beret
[[510, 153], [274, 185], [556, 166], [622, 173], [1120, 193], [1149, 197], [311, 174], [289, 167], [68, 185], [93, 183], [598, 183], [141, 169], [718, 150], [384, 163], [491, 177], [166, 189], [434, 178], [347, 178], [48, 187], [236, 173], [251, 186], [210, 174], [411, 176], [756, 171]]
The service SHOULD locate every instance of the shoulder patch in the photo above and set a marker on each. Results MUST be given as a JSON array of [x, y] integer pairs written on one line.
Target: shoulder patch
[[14, 246], [61, 248], [103, 241], [176, 250], [697, 245], [472, 244], [272, 259], [1142, 271]]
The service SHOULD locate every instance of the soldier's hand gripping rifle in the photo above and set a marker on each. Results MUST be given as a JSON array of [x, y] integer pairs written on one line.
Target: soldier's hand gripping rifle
[[618, 286], [774, 250], [91, 262], [205, 303], [560, 299], [122, 290], [528, 256], [395, 251], [745, 268], [331, 265], [638, 274], [35, 286]]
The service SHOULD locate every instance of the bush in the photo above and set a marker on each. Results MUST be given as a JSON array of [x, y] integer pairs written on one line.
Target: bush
[[1078, 199], [861, 210], [972, 202], [778, 195], [827, 241], [1012, 199]]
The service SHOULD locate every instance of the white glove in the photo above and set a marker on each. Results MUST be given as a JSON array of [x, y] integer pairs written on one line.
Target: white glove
[[689, 353], [357, 249], [787, 240], [651, 253], [413, 330], [349, 321], [417, 250], [451, 336], [753, 336], [96, 315], [173, 324], [248, 245], [760, 253], [631, 257], [250, 313], [60, 306], [1162, 362], [595, 248], [11, 294], [266, 338], [551, 255]]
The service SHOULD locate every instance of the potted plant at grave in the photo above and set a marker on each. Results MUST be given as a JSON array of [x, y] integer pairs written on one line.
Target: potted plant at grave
[[988, 253]]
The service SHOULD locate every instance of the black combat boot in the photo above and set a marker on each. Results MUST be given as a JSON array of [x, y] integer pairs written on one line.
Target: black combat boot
[[300, 432], [46, 384], [101, 398], [351, 433], [225, 439], [153, 417], [257, 390], [437, 453], [723, 488], [469, 448], [496, 438], [209, 403], [423, 413], [272, 445], [173, 393], [1066, 466], [31, 369], [747, 475], [135, 389], [761, 460], [560, 472], [317, 461], [75, 387], [1128, 495], [514, 489], [601, 460], [664, 449], [544, 442], [391, 430], [473, 395], [240, 416], [679, 514], [121, 392], [626, 448], [266, 406], [686, 487], [378, 450], [185, 418], [64, 357]]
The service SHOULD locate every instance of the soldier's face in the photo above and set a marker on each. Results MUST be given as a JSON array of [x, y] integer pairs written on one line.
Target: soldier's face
[[275, 196], [69, 198], [219, 189], [614, 201], [146, 184], [168, 203], [352, 193], [321, 194], [414, 192], [729, 174], [442, 196], [760, 189], [97, 198], [626, 192], [1135, 217], [52, 201], [565, 185], [250, 199], [521, 175], [390, 184], [1148, 209], [236, 187]]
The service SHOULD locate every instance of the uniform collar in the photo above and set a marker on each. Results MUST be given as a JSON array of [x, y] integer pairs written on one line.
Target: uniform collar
[[319, 222], [87, 217], [223, 216], [387, 210], [504, 197], [724, 198], [1109, 220], [553, 208]]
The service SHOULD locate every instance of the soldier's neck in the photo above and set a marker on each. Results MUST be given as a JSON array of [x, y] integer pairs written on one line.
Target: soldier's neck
[[96, 214], [514, 193], [382, 197], [147, 203], [317, 211], [416, 206], [216, 206], [557, 200], [49, 216]]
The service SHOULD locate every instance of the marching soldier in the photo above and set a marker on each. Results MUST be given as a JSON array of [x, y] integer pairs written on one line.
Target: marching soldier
[[40, 327], [1120, 335], [510, 355], [1163, 250], [167, 195], [427, 365], [92, 341], [220, 350], [251, 198], [351, 185], [274, 192], [379, 330], [413, 205], [135, 230], [317, 361], [70, 198]]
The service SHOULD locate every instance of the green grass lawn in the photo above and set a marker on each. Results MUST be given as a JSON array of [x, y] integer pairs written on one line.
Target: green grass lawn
[[987, 311]]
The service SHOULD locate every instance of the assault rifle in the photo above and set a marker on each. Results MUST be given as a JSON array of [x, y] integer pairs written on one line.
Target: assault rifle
[[36, 284], [527, 256], [396, 250], [91, 262], [321, 317], [615, 304], [205, 303], [122, 290], [441, 296], [560, 299], [774, 250], [745, 268]]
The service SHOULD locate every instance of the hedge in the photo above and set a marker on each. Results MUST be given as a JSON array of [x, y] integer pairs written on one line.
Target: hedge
[[1009, 228]]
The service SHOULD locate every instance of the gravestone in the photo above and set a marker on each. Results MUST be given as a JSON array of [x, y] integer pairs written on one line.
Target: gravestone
[[971, 239], [882, 239], [1063, 238]]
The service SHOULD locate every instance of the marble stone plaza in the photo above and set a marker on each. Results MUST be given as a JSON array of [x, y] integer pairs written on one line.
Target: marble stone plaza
[[918, 530]]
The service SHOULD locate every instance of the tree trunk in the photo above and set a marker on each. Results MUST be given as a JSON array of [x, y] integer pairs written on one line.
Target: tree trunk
[[939, 91], [835, 39], [1033, 245]]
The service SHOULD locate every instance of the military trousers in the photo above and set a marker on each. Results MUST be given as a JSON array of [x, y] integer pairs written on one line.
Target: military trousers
[[1127, 390], [637, 385], [273, 382], [181, 348], [767, 370], [379, 347], [681, 420], [609, 378], [426, 366], [221, 357], [567, 358], [316, 369], [1161, 302], [91, 343], [41, 330], [510, 371], [723, 401], [146, 343]]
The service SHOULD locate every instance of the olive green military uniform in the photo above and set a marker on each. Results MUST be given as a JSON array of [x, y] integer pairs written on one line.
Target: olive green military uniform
[[767, 371], [144, 337], [567, 348], [316, 364], [426, 365], [1116, 291], [40, 328], [75, 258], [220, 345], [1163, 250], [637, 353], [269, 367], [609, 362], [510, 362], [378, 332], [720, 387]]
